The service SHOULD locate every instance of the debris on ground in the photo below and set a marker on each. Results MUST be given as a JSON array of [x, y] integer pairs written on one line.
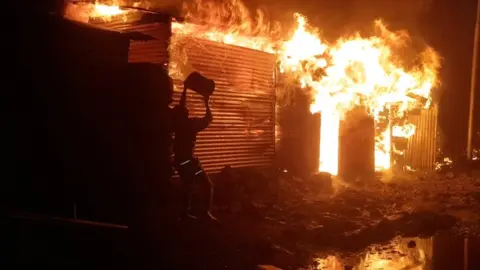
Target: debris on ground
[[272, 218], [302, 216]]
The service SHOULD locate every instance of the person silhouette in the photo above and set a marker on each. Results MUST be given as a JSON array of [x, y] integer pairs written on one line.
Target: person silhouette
[[186, 163]]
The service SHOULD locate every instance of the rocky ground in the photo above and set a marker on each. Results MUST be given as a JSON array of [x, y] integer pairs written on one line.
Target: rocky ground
[[297, 219], [274, 218]]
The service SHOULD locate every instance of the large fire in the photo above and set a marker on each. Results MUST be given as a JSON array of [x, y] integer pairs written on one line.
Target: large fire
[[352, 71], [359, 72]]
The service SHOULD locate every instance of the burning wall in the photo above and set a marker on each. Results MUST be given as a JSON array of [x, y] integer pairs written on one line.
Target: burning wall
[[242, 133], [359, 72], [297, 131], [420, 151], [379, 72]]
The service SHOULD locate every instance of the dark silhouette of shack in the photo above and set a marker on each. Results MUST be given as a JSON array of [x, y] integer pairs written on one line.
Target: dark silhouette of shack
[[89, 130]]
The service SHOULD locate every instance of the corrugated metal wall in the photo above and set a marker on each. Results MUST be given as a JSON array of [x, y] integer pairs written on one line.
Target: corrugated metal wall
[[356, 153], [151, 51], [243, 105], [243, 130], [298, 130], [422, 146]]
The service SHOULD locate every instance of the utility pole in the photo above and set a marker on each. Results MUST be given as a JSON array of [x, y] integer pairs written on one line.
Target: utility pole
[[473, 84]]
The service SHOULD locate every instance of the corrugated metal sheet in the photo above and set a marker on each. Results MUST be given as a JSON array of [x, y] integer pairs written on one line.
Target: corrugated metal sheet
[[356, 155], [151, 51], [298, 130], [243, 105], [422, 146]]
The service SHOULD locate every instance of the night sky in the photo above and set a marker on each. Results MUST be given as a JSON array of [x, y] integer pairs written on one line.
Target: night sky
[[450, 29]]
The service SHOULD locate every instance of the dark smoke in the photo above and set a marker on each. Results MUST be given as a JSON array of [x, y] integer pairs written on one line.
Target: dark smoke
[[336, 13]]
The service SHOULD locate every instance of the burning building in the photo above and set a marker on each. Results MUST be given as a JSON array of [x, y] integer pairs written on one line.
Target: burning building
[[366, 89], [243, 132], [361, 72]]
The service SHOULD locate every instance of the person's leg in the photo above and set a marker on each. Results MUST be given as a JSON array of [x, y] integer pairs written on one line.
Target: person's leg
[[187, 196], [207, 190], [187, 181]]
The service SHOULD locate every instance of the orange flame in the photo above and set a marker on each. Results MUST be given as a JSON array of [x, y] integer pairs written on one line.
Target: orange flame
[[405, 131], [85, 11], [352, 71], [360, 72], [229, 22], [106, 11]]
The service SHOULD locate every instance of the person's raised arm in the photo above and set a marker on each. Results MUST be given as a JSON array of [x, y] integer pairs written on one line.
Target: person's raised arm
[[202, 123]]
